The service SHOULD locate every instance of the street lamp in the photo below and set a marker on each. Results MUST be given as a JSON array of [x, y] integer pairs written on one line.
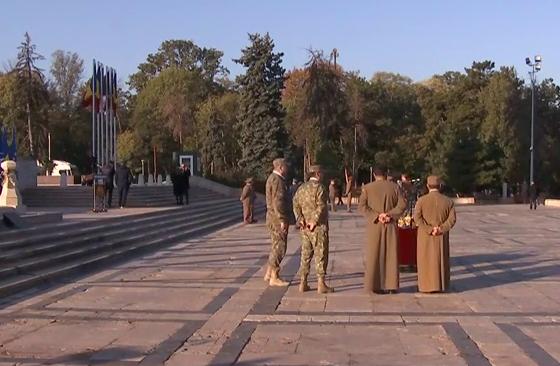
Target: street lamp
[[535, 67]]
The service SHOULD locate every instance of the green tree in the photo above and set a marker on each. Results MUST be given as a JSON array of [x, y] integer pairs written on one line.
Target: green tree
[[180, 54], [164, 112], [217, 118], [67, 69], [261, 115]]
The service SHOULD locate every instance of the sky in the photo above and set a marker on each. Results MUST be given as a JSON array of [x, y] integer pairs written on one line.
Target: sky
[[416, 38]]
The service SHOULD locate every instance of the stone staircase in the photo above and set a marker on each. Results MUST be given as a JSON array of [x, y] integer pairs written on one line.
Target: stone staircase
[[81, 196], [39, 256]]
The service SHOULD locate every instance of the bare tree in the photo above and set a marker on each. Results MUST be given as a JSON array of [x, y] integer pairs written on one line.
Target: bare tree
[[26, 69]]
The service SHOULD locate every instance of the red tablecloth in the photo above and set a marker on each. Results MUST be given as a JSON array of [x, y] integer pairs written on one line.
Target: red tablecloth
[[407, 246]]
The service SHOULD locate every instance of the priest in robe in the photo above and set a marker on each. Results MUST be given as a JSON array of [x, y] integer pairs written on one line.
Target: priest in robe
[[435, 216]]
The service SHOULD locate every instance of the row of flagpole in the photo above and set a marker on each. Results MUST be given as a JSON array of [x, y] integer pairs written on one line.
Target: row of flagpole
[[104, 117]]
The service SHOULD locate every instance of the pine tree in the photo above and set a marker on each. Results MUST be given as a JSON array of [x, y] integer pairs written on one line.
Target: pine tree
[[30, 75], [263, 135]]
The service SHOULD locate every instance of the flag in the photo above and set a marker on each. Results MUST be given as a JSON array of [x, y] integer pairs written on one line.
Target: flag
[[87, 98], [89, 92], [13, 147], [115, 91], [3, 144], [104, 87]]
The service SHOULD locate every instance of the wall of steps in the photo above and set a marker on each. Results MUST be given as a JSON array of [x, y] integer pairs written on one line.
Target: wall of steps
[[81, 196], [40, 255]]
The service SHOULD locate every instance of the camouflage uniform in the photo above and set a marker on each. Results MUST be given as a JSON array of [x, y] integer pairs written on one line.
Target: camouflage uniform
[[277, 211], [310, 206]]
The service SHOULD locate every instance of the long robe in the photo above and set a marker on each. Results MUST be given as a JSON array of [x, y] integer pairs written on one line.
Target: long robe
[[434, 209], [381, 249]]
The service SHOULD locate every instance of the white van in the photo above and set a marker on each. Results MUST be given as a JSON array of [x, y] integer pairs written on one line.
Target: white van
[[62, 167]]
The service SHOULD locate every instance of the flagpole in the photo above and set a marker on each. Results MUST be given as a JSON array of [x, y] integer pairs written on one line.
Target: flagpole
[[93, 124], [98, 128], [110, 115], [115, 91]]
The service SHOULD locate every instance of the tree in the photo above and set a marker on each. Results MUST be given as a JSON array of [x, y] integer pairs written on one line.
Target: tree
[[164, 113], [217, 118], [66, 71], [261, 115], [180, 54], [33, 80]]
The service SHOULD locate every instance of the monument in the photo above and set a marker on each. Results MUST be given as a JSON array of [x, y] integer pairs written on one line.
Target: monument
[[10, 196]]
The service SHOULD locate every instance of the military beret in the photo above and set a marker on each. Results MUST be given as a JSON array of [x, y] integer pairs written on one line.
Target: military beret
[[315, 169], [433, 180]]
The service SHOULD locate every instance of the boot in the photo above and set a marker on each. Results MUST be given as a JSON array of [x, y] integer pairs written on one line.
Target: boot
[[303, 286], [275, 280], [267, 274], [322, 287]]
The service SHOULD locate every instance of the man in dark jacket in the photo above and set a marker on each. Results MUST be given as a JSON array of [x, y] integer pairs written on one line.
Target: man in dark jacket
[[124, 180], [177, 180], [109, 172], [186, 182], [533, 196]]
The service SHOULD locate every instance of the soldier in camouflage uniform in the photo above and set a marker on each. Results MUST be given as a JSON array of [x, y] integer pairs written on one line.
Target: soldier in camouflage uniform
[[312, 215], [277, 220]]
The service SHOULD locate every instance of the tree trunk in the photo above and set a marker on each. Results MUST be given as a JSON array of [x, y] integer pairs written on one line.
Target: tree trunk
[[29, 132]]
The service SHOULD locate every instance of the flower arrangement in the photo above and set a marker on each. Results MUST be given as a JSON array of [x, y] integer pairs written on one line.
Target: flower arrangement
[[406, 221]]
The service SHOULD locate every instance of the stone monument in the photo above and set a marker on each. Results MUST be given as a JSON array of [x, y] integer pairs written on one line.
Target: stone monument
[[10, 196]]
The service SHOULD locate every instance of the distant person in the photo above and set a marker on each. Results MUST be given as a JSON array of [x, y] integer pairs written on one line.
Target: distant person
[[382, 205], [333, 193], [177, 181], [248, 197], [533, 196], [349, 190], [124, 181], [186, 176], [339, 193], [109, 173], [435, 216], [294, 187]]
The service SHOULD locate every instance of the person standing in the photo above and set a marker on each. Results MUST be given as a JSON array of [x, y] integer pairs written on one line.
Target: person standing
[[312, 215], [186, 176], [248, 198], [435, 216], [349, 190], [332, 195], [277, 220], [533, 196], [177, 180], [109, 173], [381, 204], [124, 180], [294, 187]]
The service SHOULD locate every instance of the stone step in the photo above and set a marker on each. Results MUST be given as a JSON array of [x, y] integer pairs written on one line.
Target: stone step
[[88, 263], [65, 230], [78, 196], [39, 246], [23, 264]]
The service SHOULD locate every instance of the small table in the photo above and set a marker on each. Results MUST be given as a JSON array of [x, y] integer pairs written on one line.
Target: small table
[[407, 247]]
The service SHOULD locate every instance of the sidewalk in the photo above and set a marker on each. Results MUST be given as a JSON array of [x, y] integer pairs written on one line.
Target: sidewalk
[[203, 302]]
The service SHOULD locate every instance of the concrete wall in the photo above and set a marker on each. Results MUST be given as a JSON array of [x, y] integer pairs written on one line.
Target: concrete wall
[[552, 202], [44, 180], [464, 200], [204, 183], [26, 173]]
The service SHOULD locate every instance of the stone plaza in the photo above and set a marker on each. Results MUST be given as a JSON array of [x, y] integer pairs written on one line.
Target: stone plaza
[[203, 302]]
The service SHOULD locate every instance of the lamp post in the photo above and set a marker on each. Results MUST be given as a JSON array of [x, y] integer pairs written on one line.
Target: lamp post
[[535, 66]]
